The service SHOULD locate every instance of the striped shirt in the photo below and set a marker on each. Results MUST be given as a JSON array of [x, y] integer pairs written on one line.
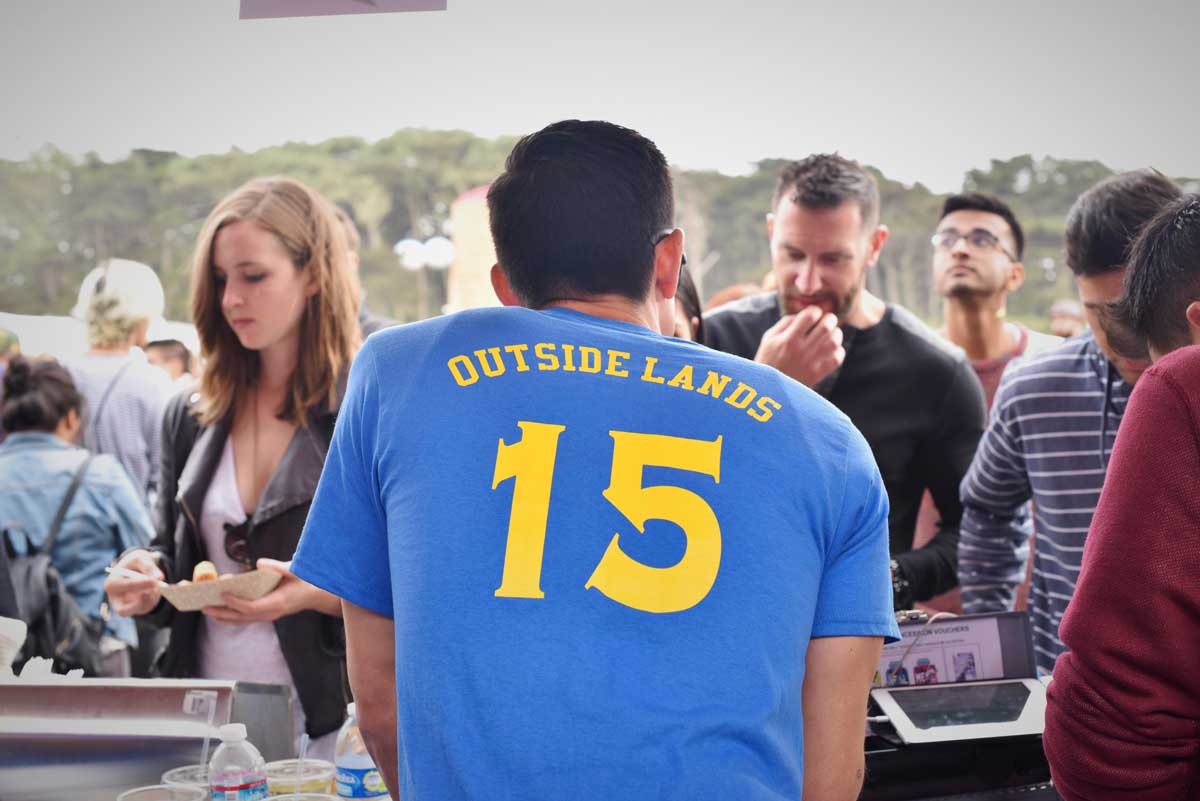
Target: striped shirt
[[1051, 429]]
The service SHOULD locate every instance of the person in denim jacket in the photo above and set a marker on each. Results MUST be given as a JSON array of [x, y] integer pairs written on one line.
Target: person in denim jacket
[[41, 415]]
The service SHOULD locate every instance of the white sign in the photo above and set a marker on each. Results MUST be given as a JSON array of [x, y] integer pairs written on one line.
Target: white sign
[[945, 652]]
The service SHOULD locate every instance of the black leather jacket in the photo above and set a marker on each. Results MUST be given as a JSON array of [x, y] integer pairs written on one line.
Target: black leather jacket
[[313, 644]]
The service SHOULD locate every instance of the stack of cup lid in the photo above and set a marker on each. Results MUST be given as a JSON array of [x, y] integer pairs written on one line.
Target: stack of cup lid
[[289, 776], [188, 776]]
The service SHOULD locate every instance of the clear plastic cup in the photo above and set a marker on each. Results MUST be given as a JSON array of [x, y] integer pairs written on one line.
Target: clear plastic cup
[[288, 776], [188, 775], [165, 792]]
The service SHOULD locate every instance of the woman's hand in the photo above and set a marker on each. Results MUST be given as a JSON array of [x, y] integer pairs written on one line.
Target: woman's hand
[[128, 597], [291, 595]]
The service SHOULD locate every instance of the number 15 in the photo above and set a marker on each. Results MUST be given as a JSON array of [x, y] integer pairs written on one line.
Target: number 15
[[530, 462]]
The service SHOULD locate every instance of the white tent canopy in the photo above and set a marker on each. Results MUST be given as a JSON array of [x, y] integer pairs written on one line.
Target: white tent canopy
[[66, 337]]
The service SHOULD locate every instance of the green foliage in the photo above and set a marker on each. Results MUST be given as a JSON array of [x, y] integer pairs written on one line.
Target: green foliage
[[59, 215]]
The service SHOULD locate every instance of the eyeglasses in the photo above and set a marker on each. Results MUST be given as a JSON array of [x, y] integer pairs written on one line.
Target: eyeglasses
[[977, 238], [237, 547]]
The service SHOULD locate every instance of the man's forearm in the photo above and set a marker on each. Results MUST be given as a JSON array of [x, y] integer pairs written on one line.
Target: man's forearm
[[992, 552], [933, 568], [371, 664], [846, 786], [379, 732]]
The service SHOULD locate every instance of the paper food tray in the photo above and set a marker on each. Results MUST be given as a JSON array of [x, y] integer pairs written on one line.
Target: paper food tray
[[250, 586]]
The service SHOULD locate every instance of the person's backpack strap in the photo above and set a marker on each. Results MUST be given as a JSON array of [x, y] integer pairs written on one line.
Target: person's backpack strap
[[61, 514], [89, 433]]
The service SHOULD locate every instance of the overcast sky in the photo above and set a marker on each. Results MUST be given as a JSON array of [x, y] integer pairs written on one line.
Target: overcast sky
[[923, 90]]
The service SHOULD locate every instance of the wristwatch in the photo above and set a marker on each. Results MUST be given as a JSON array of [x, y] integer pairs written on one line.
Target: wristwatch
[[901, 588]]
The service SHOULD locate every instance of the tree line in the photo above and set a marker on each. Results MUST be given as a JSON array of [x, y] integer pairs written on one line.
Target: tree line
[[60, 215]]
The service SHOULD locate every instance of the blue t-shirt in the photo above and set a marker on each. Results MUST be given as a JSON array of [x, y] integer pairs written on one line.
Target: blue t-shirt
[[605, 552]]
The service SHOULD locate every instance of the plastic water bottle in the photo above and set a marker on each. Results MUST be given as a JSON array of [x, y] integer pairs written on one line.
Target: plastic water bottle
[[357, 776], [237, 771]]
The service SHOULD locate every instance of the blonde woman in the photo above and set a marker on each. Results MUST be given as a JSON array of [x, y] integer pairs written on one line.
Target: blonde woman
[[124, 395], [275, 308]]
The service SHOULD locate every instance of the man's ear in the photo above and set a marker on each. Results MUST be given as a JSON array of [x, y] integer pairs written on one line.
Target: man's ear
[[1016, 276], [70, 426], [770, 225], [878, 237], [1193, 318], [504, 291], [667, 255]]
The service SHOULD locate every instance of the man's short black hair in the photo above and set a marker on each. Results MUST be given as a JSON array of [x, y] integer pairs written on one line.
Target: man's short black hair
[[1105, 220], [1163, 276], [173, 349], [826, 181], [577, 210], [978, 201]]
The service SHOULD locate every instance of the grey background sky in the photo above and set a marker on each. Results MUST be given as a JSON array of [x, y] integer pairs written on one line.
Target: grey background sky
[[925, 90]]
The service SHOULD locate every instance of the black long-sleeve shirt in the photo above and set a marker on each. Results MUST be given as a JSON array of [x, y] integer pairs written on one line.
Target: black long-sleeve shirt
[[917, 402]]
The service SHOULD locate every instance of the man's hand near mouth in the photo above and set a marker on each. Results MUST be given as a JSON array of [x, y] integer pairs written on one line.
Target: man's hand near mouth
[[806, 346]]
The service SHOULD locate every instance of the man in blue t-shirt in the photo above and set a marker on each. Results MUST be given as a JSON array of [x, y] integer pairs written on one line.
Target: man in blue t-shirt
[[579, 559]]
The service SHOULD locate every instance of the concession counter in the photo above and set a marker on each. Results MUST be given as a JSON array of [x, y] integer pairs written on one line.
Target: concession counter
[[90, 739], [956, 715]]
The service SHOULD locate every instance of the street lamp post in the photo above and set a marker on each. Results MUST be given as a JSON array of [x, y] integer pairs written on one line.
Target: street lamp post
[[435, 253]]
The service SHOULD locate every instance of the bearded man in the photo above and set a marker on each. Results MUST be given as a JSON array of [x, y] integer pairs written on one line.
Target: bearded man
[[911, 394]]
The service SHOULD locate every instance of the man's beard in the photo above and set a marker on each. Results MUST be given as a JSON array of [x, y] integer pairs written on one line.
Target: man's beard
[[969, 294], [839, 306]]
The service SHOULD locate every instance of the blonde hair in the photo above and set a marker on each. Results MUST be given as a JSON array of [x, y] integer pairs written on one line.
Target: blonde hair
[[115, 298], [307, 227]]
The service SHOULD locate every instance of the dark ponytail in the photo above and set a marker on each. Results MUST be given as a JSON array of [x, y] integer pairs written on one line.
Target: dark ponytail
[[37, 395]]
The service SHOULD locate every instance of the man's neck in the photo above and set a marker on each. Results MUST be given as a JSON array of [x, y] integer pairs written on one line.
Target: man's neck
[[868, 311], [612, 307], [115, 350], [978, 327]]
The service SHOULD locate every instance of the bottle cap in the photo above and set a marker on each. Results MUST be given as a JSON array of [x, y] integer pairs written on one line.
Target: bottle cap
[[233, 732], [350, 707]]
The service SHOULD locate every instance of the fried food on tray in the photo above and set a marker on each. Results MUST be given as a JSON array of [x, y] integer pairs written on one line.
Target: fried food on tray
[[204, 571]]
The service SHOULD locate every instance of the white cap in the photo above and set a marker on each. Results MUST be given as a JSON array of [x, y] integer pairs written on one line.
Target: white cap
[[233, 732], [350, 710], [135, 286]]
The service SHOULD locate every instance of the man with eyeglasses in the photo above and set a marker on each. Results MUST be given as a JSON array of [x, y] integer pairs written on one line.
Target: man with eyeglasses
[[977, 252], [1053, 424], [913, 396]]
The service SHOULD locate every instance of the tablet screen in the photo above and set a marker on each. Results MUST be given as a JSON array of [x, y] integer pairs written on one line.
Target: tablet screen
[[963, 704]]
